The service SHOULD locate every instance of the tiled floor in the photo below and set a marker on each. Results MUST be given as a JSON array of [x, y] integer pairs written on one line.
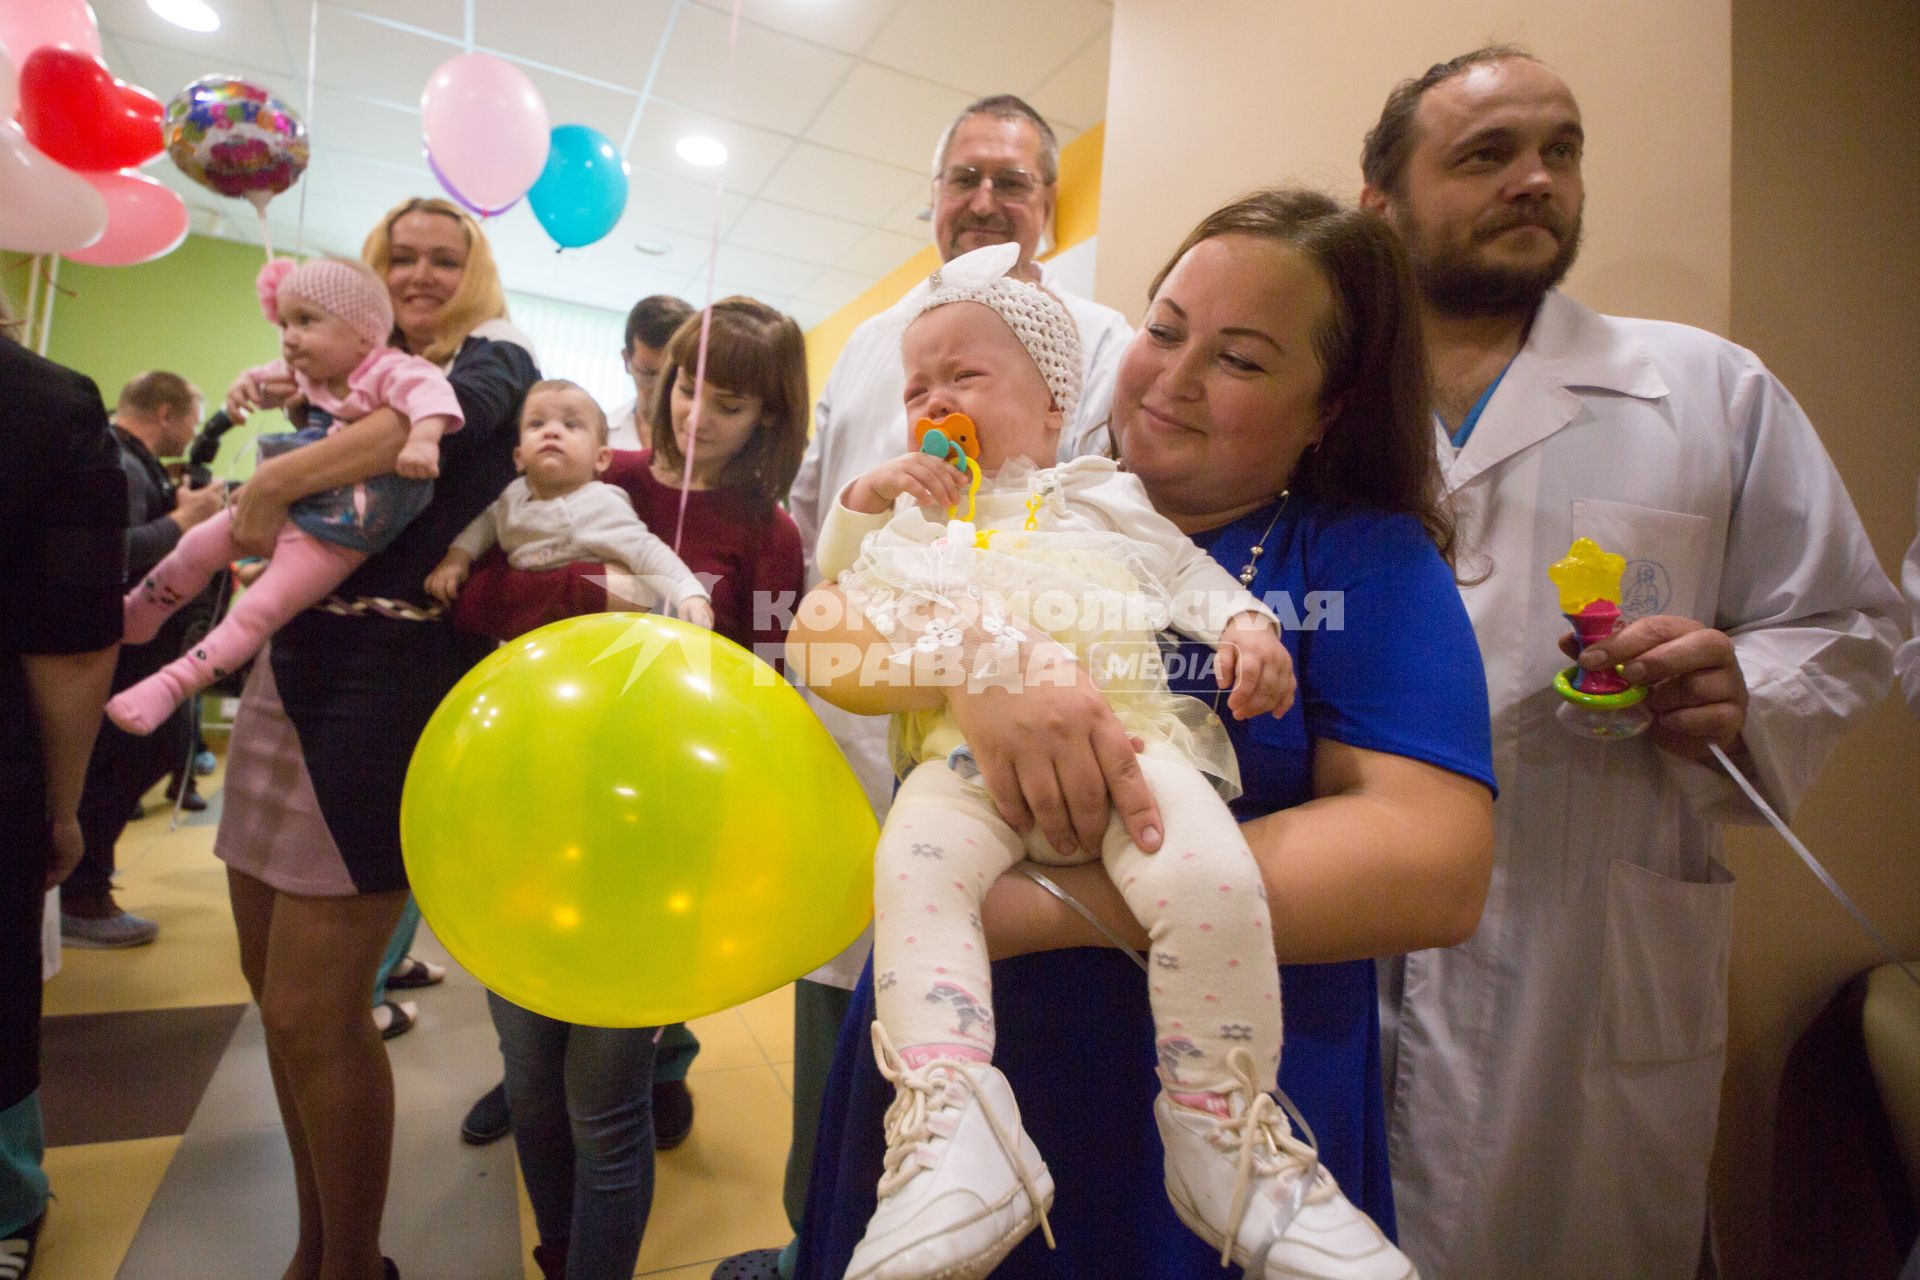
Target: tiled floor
[[166, 1153]]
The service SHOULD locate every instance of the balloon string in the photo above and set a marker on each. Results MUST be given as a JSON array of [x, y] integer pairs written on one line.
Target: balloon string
[[46, 312], [32, 264], [706, 315], [1813, 864], [313, 58], [266, 235]]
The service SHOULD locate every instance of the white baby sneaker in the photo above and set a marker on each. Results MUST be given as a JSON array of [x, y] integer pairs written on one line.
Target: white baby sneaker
[[963, 1183], [1249, 1187]]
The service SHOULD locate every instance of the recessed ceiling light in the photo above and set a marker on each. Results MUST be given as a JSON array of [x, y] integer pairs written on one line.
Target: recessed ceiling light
[[708, 153], [194, 15], [654, 247]]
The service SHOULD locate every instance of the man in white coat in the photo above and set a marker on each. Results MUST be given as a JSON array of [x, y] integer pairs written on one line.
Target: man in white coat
[[1553, 1082], [995, 174]]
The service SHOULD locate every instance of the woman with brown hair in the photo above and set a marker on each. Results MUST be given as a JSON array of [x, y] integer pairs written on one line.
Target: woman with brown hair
[[582, 1099], [327, 724], [1274, 406]]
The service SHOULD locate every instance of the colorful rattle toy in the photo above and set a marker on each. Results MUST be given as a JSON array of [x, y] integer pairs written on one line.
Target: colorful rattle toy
[[1596, 704]]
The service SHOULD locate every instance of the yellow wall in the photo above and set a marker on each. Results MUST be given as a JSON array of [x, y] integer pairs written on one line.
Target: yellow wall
[[1076, 218], [1264, 92]]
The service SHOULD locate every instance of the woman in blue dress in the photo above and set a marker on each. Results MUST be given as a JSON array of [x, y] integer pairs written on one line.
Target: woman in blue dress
[[1274, 404]]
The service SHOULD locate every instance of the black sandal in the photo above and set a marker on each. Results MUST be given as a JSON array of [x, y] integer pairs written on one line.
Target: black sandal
[[411, 973], [399, 1022]]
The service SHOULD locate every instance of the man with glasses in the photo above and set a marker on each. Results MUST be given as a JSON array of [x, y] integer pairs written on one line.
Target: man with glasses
[[649, 325], [994, 175]]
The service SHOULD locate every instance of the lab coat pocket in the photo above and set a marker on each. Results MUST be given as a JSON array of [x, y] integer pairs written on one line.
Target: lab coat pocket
[[1666, 555], [1664, 971]]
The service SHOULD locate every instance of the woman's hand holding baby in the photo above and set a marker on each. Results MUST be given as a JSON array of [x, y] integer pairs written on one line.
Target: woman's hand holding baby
[[932, 482], [444, 583], [1255, 664]]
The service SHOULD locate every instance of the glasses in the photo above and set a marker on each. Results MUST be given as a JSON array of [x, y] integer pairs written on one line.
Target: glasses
[[1011, 185]]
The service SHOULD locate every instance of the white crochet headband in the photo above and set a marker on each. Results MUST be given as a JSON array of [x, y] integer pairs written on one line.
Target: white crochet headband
[[1040, 320]]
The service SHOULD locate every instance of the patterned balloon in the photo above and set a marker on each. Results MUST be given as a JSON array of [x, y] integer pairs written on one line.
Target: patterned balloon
[[233, 137]]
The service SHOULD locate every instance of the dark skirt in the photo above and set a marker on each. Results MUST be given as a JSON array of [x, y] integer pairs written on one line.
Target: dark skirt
[[326, 729]]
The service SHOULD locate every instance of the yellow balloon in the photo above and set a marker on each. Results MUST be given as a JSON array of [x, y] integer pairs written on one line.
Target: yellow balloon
[[623, 820]]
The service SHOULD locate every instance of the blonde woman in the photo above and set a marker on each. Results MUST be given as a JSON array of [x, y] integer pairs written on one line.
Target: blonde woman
[[311, 829]]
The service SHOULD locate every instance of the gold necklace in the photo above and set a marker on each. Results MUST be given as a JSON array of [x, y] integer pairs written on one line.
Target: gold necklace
[[1259, 548]]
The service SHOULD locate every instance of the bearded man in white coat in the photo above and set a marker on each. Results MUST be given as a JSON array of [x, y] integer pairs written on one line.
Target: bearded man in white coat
[[995, 174], [1553, 1083]]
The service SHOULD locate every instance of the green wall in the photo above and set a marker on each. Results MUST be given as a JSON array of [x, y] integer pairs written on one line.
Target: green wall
[[193, 312]]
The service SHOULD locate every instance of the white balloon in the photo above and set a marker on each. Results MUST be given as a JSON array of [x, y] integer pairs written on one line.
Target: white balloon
[[44, 206]]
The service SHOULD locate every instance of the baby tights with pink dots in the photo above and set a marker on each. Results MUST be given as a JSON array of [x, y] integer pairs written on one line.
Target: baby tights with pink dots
[[1214, 984]]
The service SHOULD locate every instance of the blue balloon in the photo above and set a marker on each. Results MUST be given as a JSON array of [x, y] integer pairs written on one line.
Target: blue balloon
[[583, 190]]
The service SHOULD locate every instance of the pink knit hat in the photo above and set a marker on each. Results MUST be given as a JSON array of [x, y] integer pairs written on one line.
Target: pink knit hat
[[341, 287]]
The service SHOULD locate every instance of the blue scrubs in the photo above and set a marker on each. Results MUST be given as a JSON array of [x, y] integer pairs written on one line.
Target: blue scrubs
[[1388, 663]]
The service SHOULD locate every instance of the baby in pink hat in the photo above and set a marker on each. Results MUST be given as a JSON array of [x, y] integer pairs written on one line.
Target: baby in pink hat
[[335, 318]]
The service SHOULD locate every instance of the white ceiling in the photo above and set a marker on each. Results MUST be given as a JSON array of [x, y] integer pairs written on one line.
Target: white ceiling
[[830, 115]]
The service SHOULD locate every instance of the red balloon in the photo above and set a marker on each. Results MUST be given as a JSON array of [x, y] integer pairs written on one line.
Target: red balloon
[[145, 220], [76, 112]]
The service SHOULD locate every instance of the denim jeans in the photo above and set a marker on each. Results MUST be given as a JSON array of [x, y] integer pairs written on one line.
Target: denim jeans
[[581, 1099]]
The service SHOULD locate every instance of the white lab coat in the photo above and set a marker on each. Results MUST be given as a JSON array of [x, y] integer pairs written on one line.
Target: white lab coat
[[859, 423], [1553, 1082]]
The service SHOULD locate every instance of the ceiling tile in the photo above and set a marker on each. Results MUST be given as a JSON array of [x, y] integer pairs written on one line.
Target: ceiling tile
[[753, 153], [346, 124], [794, 233], [249, 33], [376, 61], [843, 185], [685, 253], [878, 253], [905, 217], [164, 70], [777, 82], [887, 115], [846, 25], [924, 39], [667, 201], [808, 314], [763, 273], [571, 101], [1076, 93], [612, 40], [834, 288], [446, 18]]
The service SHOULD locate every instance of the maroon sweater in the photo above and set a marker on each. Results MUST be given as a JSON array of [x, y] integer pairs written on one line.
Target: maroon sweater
[[747, 559]]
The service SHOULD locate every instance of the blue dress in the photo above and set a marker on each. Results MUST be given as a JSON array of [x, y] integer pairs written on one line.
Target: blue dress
[[1386, 661]]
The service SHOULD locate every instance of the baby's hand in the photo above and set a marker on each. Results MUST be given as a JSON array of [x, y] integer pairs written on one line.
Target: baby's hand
[[931, 481], [247, 394], [697, 611], [444, 583], [1255, 663], [419, 460]]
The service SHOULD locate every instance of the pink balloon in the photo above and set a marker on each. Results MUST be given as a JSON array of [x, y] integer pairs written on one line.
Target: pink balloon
[[485, 129], [25, 25], [44, 206], [145, 220]]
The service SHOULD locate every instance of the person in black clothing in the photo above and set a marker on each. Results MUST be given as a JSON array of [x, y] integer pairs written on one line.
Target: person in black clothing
[[63, 507], [155, 418]]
